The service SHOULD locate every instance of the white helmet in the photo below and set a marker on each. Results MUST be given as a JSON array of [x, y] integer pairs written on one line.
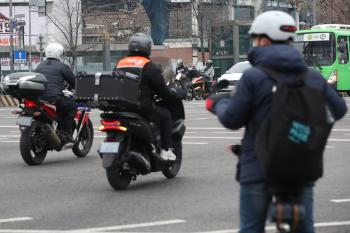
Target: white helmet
[[55, 50], [277, 25]]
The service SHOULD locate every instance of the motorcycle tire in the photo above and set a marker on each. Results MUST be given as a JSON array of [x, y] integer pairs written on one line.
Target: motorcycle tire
[[173, 170], [31, 152], [84, 141], [190, 95], [117, 179], [198, 95]]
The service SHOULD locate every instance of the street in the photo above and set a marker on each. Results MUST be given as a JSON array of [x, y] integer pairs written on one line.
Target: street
[[69, 194]]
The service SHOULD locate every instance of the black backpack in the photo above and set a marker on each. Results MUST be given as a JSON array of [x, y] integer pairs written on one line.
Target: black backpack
[[290, 141]]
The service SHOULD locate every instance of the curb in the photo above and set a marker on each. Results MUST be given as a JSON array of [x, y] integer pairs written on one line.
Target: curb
[[8, 101]]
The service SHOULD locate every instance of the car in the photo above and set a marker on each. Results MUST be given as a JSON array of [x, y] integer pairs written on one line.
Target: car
[[233, 75]]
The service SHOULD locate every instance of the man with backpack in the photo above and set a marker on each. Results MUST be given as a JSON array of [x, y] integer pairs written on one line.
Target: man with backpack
[[284, 108]]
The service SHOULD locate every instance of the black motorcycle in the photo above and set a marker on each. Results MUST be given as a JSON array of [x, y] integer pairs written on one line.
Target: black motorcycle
[[132, 146]]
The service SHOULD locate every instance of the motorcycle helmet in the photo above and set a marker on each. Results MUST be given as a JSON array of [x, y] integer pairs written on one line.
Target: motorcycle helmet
[[209, 63], [276, 25], [140, 43], [180, 63], [55, 51]]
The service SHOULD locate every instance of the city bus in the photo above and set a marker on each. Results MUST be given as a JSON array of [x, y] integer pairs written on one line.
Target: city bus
[[326, 47]]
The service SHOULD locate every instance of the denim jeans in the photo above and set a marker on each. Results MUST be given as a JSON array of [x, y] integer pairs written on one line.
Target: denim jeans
[[254, 204]]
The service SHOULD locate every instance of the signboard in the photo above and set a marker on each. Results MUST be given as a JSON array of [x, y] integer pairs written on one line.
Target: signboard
[[5, 61], [20, 56], [312, 37], [5, 40], [4, 26]]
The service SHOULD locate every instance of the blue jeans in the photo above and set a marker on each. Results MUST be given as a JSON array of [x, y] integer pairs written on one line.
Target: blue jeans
[[254, 204]]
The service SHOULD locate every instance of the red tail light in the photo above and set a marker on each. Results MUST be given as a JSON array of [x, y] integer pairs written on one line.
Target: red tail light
[[29, 104], [112, 125]]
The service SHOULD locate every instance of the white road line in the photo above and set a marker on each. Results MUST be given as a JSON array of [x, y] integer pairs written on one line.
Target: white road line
[[329, 147], [340, 200], [268, 228], [129, 226], [195, 143], [29, 231], [227, 132], [9, 126], [9, 141], [6, 220]]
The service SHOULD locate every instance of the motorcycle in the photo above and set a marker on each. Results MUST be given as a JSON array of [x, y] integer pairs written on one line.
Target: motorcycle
[[132, 146], [182, 81], [38, 120], [200, 89]]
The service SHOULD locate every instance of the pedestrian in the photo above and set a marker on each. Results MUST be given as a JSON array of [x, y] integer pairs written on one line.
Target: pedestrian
[[271, 34]]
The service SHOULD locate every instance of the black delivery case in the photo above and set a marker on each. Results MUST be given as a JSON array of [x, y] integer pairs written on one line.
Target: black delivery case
[[109, 90], [28, 85]]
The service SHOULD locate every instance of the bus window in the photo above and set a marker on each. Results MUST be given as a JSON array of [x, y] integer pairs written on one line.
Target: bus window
[[343, 56]]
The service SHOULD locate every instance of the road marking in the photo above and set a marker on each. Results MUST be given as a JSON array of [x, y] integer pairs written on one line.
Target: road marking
[[195, 143], [210, 137], [129, 226], [228, 132], [9, 126], [268, 228], [5, 220], [30, 231], [329, 147], [340, 200], [9, 141]]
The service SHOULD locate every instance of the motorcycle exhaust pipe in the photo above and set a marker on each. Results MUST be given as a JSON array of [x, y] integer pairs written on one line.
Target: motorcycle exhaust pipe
[[51, 137]]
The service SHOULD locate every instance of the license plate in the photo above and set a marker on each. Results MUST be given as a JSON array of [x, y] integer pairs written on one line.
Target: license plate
[[109, 147], [24, 121]]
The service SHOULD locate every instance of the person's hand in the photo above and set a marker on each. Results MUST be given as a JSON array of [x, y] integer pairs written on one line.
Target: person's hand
[[212, 100]]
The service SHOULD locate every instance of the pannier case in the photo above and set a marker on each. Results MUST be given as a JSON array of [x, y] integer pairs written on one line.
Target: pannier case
[[27, 85], [113, 90]]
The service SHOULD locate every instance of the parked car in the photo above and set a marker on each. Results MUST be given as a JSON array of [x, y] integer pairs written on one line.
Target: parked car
[[233, 75]]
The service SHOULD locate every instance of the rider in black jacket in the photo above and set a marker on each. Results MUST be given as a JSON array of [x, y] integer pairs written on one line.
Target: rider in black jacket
[[152, 83], [57, 73]]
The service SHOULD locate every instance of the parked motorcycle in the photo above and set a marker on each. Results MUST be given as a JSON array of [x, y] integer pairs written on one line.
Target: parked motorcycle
[[38, 120]]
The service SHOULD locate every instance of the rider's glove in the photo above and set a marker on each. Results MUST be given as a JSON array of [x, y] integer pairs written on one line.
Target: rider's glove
[[212, 100]]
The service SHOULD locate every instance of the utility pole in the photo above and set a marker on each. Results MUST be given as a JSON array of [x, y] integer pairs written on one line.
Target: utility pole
[[314, 18], [11, 37], [30, 36], [41, 47]]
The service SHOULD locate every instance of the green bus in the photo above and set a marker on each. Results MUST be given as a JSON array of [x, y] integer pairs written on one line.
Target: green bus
[[326, 47]]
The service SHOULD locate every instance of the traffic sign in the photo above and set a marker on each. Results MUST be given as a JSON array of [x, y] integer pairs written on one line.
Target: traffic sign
[[20, 56]]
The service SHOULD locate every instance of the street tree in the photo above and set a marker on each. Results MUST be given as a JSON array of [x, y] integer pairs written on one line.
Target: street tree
[[67, 18]]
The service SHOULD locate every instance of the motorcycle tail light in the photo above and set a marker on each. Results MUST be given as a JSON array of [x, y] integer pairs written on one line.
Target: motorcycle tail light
[[29, 104], [112, 125]]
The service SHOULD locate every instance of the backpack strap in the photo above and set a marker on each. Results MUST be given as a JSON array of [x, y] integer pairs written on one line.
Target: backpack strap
[[276, 76]]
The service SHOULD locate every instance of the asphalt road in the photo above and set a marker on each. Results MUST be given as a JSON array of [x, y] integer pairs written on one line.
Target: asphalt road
[[68, 194]]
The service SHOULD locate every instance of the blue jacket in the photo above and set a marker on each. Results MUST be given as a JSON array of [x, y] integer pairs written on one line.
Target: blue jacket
[[252, 100]]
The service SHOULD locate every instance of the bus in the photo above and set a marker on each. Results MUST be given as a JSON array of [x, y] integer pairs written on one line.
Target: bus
[[326, 48]]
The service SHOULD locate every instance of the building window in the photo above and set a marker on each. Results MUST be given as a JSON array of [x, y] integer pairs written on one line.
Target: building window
[[244, 12]]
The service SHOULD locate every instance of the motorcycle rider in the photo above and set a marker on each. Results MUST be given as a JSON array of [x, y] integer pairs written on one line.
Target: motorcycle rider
[[57, 73], [180, 67], [209, 74], [152, 83], [271, 33]]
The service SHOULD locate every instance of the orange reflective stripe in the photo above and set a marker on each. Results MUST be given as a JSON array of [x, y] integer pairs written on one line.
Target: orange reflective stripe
[[133, 62]]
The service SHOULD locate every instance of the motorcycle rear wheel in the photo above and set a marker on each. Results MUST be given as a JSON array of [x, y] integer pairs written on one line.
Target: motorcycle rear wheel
[[85, 139], [118, 179], [173, 170], [31, 152], [198, 94]]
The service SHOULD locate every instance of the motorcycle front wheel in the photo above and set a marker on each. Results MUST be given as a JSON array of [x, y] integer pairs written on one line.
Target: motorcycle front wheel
[[172, 171], [84, 140], [118, 178], [32, 145]]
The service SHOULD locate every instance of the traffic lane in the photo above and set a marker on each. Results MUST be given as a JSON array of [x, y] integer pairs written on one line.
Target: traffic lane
[[194, 221], [63, 189]]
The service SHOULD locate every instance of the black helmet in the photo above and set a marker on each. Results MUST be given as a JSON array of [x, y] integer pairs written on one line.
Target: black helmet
[[140, 43]]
